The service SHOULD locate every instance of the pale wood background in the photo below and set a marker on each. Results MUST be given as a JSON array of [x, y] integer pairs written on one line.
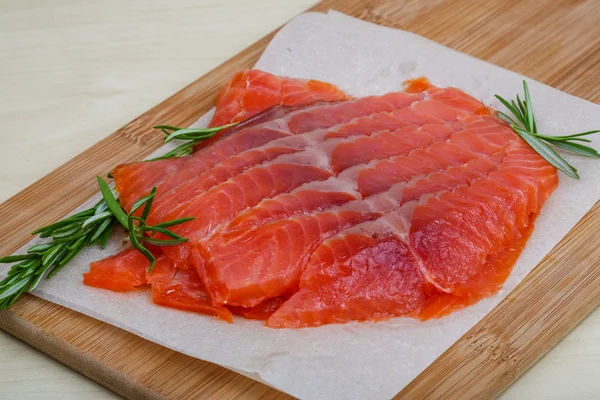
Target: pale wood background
[[71, 72]]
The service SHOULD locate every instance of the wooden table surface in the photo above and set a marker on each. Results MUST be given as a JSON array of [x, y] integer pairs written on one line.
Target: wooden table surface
[[73, 71]]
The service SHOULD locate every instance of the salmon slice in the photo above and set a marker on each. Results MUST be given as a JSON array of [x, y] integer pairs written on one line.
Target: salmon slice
[[275, 123], [249, 92], [182, 290], [248, 262], [123, 271], [361, 278], [373, 118]]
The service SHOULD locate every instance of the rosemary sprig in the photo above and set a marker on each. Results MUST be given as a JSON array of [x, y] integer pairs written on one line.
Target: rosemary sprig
[[94, 226], [67, 238], [525, 126], [70, 235], [139, 232], [192, 136]]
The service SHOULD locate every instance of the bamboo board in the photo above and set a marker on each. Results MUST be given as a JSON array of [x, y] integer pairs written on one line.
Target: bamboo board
[[554, 42]]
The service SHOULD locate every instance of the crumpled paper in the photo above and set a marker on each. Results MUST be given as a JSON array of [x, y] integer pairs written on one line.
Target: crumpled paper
[[356, 360]]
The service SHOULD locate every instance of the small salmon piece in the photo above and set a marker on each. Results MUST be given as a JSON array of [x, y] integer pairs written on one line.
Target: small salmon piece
[[182, 290], [173, 288], [123, 271], [249, 92]]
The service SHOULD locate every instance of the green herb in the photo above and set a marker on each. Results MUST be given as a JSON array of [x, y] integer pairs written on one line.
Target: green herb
[[67, 238], [526, 128], [70, 235], [193, 136], [139, 232], [94, 226]]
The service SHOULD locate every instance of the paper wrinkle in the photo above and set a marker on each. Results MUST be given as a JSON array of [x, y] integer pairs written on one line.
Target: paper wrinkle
[[356, 360]]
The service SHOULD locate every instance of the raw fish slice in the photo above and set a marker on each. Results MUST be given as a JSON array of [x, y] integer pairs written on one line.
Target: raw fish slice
[[182, 290], [249, 92], [477, 220], [371, 279], [316, 151], [365, 209], [123, 271], [223, 202], [404, 146], [135, 180], [432, 150]]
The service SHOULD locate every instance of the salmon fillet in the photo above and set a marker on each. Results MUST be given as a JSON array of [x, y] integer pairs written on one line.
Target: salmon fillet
[[411, 204], [436, 198]]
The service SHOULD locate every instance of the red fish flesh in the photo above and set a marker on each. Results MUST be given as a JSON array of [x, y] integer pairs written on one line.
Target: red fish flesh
[[248, 93], [404, 204]]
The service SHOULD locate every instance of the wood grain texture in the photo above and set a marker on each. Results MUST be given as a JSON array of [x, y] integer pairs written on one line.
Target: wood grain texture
[[551, 41]]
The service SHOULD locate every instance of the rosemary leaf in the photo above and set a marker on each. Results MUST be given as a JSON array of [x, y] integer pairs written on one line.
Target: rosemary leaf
[[112, 202], [180, 151], [162, 242], [97, 217], [105, 236], [143, 250], [143, 201], [40, 248], [576, 148], [173, 222], [195, 133], [546, 151], [164, 231], [146, 210], [13, 289], [512, 109], [37, 278], [101, 229], [529, 108], [21, 257]]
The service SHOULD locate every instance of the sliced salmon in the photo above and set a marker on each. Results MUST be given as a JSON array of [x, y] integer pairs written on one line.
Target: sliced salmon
[[411, 204], [182, 290], [464, 240], [276, 237], [276, 132], [249, 92], [257, 176], [173, 288], [123, 271]]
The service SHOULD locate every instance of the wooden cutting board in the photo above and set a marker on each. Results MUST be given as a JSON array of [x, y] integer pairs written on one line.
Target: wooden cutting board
[[555, 42]]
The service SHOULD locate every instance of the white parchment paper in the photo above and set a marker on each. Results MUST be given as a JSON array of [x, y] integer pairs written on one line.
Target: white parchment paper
[[357, 360]]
